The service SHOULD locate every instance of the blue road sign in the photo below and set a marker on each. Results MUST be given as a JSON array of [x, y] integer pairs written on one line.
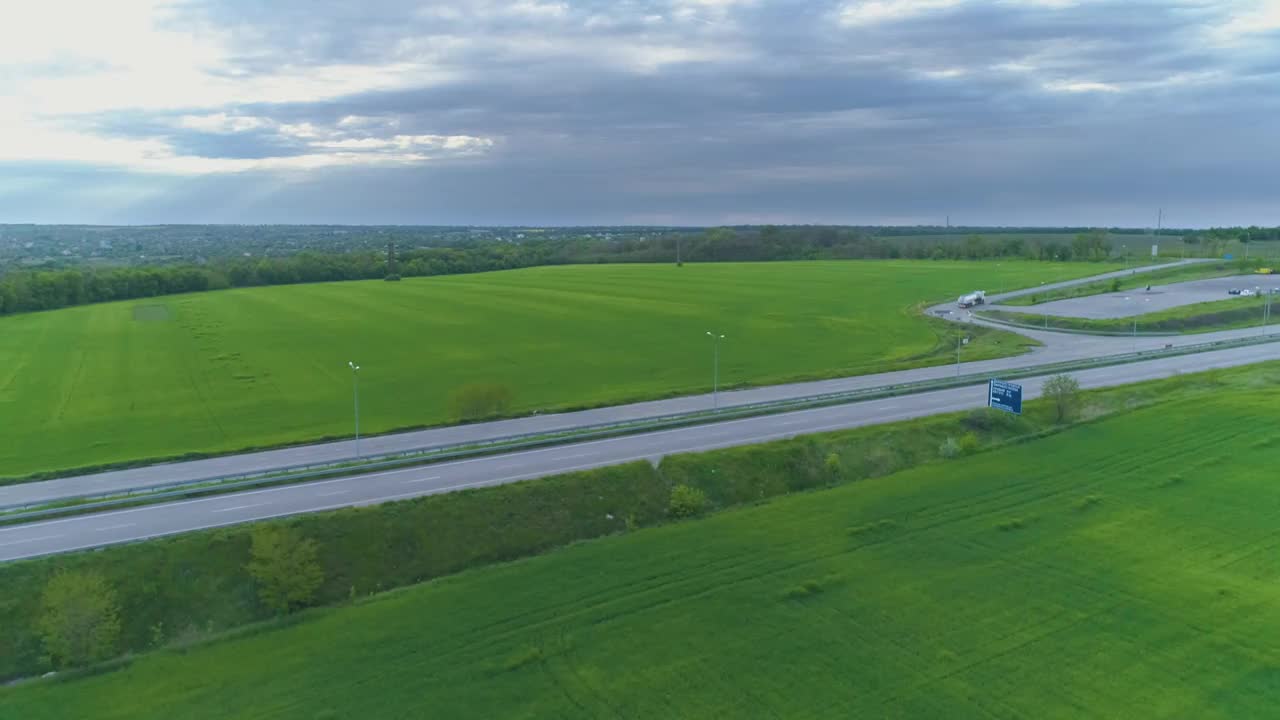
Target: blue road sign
[[1005, 396]]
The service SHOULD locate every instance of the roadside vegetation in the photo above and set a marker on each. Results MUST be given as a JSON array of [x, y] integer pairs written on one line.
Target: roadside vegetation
[[191, 375], [1226, 314], [1037, 577], [178, 591]]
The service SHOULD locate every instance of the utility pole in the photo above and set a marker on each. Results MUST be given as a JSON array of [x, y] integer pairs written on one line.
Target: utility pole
[[355, 391], [715, 369]]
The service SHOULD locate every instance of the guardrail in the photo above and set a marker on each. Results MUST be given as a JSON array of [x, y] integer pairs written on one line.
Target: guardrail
[[423, 456]]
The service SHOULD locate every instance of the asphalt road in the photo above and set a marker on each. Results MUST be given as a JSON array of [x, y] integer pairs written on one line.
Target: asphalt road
[[88, 531], [1057, 347], [1141, 301]]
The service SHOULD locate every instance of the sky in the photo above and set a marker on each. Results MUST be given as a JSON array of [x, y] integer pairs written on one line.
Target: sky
[[641, 112]]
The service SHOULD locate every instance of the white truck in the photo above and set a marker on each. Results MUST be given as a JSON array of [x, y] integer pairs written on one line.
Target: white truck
[[977, 297]]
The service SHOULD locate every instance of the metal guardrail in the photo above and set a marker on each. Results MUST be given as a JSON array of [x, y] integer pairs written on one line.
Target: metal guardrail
[[423, 456]]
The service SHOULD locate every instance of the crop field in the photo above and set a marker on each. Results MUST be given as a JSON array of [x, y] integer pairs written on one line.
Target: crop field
[[1094, 573], [257, 367]]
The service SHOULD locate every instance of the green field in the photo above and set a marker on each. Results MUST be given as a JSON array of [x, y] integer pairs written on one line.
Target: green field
[[256, 367], [1095, 573]]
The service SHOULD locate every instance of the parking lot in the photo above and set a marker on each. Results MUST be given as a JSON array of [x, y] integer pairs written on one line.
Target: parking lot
[[1160, 297]]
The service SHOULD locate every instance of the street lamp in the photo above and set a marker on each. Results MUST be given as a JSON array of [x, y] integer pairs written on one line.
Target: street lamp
[[715, 369], [355, 392]]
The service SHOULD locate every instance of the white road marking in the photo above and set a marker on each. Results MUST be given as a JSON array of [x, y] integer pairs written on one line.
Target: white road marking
[[332, 493], [421, 479], [115, 527], [30, 540], [239, 507]]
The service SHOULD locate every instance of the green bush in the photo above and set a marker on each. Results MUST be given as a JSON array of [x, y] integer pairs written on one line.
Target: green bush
[[949, 448], [687, 502], [833, 464], [969, 444], [79, 618], [285, 566]]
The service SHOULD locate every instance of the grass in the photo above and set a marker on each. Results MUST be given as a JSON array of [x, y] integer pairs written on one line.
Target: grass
[[1228, 314], [224, 371], [1182, 273], [983, 589]]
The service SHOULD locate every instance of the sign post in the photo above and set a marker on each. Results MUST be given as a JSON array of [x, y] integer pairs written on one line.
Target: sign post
[[1004, 396]]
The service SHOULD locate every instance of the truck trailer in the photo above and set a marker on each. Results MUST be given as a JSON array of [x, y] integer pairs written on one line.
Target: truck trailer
[[977, 297]]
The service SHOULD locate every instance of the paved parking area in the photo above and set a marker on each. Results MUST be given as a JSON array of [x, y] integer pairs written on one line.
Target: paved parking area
[[1140, 301]]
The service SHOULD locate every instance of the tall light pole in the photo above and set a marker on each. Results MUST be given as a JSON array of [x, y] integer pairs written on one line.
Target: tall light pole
[[355, 393], [715, 369]]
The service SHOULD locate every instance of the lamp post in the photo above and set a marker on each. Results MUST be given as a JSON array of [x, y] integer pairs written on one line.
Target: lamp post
[[715, 369], [355, 393]]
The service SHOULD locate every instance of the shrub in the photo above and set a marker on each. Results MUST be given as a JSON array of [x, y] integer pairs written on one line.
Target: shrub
[[79, 618], [393, 277], [480, 400], [285, 566], [687, 501], [949, 448], [1115, 285], [1063, 391], [969, 444], [833, 464]]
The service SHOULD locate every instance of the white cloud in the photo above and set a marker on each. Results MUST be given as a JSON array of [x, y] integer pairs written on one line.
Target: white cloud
[[1245, 20], [65, 60], [869, 12], [1080, 86]]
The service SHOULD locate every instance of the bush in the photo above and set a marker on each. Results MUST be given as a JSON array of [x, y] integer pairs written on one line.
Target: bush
[[949, 448], [969, 444], [1063, 391], [833, 464], [1115, 285], [480, 400], [393, 277], [79, 618], [687, 501], [285, 566]]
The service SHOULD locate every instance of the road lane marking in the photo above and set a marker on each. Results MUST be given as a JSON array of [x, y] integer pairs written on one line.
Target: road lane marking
[[239, 507], [115, 527], [331, 493], [422, 479], [30, 540]]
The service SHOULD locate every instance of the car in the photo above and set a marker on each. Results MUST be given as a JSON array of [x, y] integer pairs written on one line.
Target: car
[[1233, 291]]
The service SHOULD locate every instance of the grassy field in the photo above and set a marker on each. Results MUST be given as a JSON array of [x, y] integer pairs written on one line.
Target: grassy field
[[242, 368], [1228, 314], [1095, 573], [1182, 273]]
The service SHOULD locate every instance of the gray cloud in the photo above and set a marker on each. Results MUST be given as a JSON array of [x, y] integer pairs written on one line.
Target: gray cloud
[[681, 112]]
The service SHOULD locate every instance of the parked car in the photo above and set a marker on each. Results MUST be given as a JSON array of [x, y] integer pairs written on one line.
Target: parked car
[[1233, 291]]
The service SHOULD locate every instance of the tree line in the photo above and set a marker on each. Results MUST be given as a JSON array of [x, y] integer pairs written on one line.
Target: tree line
[[33, 290]]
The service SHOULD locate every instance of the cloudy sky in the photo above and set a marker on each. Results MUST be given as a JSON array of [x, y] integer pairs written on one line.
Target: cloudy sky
[[1066, 112]]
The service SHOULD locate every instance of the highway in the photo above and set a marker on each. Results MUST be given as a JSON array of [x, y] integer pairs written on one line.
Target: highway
[[88, 531], [1056, 347]]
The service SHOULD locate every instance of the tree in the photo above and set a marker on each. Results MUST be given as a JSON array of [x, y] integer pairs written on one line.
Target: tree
[[79, 618], [479, 400], [286, 567], [1064, 392]]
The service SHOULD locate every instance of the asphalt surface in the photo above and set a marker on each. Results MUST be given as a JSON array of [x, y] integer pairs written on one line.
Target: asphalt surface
[[1056, 347], [1130, 303], [88, 531]]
